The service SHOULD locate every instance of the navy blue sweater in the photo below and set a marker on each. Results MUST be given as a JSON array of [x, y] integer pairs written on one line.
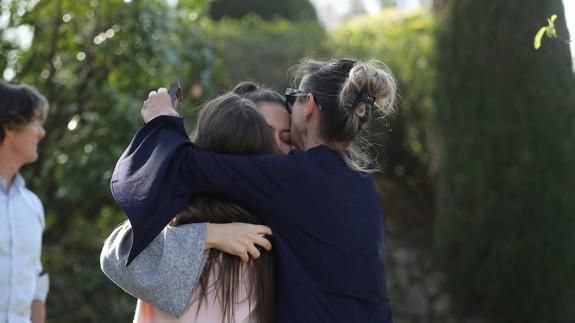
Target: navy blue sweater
[[326, 218]]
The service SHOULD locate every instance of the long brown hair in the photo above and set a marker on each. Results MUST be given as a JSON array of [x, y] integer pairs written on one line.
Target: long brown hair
[[232, 125]]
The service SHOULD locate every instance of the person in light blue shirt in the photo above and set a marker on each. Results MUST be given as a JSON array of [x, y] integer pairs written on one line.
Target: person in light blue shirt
[[23, 285]]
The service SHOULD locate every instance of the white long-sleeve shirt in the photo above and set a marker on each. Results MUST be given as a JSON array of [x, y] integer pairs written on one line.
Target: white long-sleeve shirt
[[21, 227]]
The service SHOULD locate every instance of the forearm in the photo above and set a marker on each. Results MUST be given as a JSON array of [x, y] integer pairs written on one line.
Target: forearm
[[38, 312], [213, 236], [165, 273]]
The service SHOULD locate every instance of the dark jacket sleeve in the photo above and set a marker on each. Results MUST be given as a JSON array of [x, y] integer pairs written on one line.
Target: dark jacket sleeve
[[161, 170]]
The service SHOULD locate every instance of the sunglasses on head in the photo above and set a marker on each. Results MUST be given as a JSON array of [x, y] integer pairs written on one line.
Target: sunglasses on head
[[292, 95]]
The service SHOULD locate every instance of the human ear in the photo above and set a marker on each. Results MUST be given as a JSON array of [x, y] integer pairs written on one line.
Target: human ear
[[310, 105], [9, 133]]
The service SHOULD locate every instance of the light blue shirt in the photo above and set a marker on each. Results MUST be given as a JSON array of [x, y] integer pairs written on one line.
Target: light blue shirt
[[21, 227]]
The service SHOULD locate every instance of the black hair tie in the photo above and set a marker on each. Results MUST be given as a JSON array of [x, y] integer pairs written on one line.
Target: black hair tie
[[364, 97]]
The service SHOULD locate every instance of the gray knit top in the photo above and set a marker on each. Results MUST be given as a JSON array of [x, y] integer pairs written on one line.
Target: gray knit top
[[165, 273]]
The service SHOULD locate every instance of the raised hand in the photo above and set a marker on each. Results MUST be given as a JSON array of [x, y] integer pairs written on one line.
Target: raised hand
[[158, 103]]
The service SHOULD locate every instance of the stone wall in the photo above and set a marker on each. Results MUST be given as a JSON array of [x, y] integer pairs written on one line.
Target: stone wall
[[417, 287]]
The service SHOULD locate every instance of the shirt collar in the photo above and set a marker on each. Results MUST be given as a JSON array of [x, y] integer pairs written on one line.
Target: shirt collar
[[17, 183]]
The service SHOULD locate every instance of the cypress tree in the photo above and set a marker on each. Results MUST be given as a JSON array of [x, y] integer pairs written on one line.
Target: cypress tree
[[296, 10], [506, 205]]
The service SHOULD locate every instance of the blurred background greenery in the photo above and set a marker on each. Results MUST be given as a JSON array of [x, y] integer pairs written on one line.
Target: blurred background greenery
[[477, 175]]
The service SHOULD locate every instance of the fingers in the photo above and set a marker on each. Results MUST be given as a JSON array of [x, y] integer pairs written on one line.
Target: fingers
[[242, 240], [244, 256], [262, 229], [157, 104], [253, 251], [158, 101], [160, 90], [158, 94], [261, 241]]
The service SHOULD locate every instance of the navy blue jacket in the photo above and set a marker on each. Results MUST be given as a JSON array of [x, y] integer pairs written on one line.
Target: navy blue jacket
[[326, 218]]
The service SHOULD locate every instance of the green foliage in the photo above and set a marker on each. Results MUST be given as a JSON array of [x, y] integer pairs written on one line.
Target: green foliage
[[294, 10], [79, 291], [95, 62], [548, 30], [252, 48], [506, 225], [404, 41]]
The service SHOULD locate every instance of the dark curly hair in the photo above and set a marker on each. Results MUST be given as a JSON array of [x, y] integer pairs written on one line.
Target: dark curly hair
[[19, 105]]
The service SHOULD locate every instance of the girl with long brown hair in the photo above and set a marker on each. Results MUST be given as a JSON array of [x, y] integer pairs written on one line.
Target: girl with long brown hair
[[228, 289], [164, 276]]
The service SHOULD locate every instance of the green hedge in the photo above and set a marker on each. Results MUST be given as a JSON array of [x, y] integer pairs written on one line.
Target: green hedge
[[260, 50], [506, 225], [405, 143]]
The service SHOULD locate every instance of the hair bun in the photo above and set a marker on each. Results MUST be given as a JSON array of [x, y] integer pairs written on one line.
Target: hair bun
[[360, 110], [245, 87], [370, 85]]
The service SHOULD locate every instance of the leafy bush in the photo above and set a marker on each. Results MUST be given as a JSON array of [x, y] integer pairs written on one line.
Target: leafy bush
[[95, 62], [404, 41], [252, 48]]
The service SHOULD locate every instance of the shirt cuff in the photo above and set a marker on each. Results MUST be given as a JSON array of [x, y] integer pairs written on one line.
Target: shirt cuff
[[173, 122], [42, 287]]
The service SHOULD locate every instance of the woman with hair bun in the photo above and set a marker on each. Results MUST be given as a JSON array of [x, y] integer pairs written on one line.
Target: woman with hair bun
[[319, 201], [347, 93]]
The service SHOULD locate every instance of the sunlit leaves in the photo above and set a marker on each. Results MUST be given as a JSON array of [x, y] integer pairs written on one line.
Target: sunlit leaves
[[548, 31]]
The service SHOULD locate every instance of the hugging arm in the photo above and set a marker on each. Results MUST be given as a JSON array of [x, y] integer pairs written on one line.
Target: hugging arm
[[166, 272], [161, 169]]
